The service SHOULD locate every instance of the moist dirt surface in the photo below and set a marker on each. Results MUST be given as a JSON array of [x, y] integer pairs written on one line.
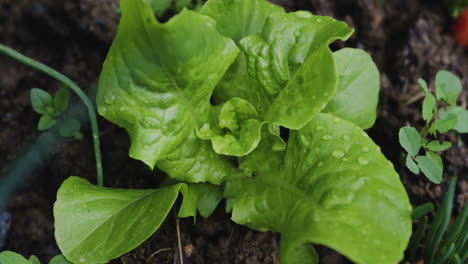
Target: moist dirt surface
[[407, 40]]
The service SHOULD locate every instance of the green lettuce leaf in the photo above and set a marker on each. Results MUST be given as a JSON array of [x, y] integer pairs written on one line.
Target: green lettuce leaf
[[358, 88], [237, 19], [157, 85], [336, 189], [238, 131], [91, 221], [8, 257], [200, 197], [278, 69]]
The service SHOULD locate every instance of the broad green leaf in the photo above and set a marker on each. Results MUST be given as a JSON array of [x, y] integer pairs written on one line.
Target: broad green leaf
[[61, 99], [237, 19], [59, 259], [436, 158], [411, 165], [423, 84], [277, 70], [410, 140], [8, 257], [69, 128], [92, 223], [428, 107], [284, 61], [203, 198], [357, 93], [448, 87], [435, 145], [40, 100], [462, 117], [33, 259], [238, 129], [444, 124], [430, 168], [336, 189], [46, 122], [157, 85]]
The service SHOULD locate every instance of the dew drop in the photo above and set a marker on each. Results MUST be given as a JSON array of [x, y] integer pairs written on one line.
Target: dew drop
[[327, 137], [319, 128], [365, 149], [347, 138], [336, 119], [121, 109], [297, 34], [362, 161], [338, 154], [109, 98], [318, 20], [377, 149], [102, 109], [320, 164], [303, 14]]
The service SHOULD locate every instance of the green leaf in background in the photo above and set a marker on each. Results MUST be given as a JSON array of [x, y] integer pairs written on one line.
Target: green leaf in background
[[46, 122], [33, 259], [411, 165], [436, 158], [336, 189], [435, 145], [410, 140], [462, 117], [69, 128], [423, 84], [59, 259], [358, 88], [430, 168], [159, 89], [444, 124], [200, 197], [8, 257], [40, 101], [61, 99], [92, 223], [238, 129], [428, 107], [448, 87]]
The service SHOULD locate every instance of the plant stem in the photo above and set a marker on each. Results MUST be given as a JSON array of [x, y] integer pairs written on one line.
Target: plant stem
[[62, 78]]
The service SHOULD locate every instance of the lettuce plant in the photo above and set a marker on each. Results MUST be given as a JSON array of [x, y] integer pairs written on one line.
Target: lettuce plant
[[244, 101]]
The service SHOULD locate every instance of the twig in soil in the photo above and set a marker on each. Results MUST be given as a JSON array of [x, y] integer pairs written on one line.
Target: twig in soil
[[179, 240], [156, 253], [63, 79]]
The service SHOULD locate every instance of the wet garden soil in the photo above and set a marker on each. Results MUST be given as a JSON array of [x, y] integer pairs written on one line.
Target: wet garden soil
[[407, 39]]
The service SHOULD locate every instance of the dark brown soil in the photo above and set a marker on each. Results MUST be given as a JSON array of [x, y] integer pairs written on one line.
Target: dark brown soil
[[407, 39]]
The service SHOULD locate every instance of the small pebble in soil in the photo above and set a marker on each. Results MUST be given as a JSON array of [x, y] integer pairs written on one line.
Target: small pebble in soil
[[5, 221]]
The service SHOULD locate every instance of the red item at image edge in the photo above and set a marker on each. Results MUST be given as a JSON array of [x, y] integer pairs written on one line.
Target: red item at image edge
[[461, 28]]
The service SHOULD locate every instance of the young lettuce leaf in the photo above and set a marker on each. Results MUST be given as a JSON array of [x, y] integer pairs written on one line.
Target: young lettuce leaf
[[90, 221], [358, 88], [158, 86], [285, 70], [8, 257], [336, 189]]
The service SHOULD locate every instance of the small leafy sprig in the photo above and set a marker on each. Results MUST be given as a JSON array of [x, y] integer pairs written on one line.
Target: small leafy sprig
[[9, 257], [441, 114], [443, 245], [51, 108]]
